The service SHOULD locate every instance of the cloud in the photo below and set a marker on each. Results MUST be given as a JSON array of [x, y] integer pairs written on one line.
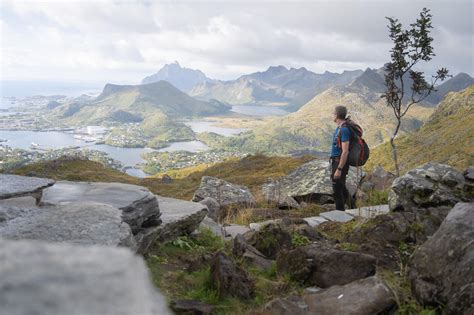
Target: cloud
[[126, 40]]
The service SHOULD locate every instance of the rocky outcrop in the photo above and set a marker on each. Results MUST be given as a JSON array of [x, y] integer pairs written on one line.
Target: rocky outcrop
[[442, 269], [430, 185], [85, 223], [225, 193], [270, 239], [362, 297], [320, 265], [309, 183], [12, 186], [229, 279], [192, 307], [56, 279], [139, 207]]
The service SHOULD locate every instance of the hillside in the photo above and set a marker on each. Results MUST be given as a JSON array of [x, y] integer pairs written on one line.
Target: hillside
[[251, 171], [446, 137], [312, 126], [182, 78], [277, 86]]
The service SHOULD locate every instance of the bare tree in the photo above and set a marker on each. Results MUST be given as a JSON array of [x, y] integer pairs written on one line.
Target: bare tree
[[409, 48]]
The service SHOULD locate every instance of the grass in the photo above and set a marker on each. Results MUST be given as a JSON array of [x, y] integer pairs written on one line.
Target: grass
[[374, 198], [180, 273]]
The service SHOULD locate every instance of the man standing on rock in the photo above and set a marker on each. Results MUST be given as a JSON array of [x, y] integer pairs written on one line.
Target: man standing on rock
[[339, 154]]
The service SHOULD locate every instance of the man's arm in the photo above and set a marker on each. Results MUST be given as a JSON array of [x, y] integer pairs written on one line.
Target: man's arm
[[345, 154]]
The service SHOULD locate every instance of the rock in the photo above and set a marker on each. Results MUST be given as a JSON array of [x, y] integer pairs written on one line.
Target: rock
[[17, 186], [292, 305], [192, 307], [55, 279], [166, 179], [223, 192], [273, 194], [310, 183], [85, 223], [469, 173], [367, 186], [213, 226], [429, 185], [179, 218], [229, 279], [382, 235], [258, 225], [369, 211], [442, 269], [138, 205], [232, 230], [320, 265], [337, 215], [213, 208], [315, 221], [250, 254], [379, 179], [361, 297], [270, 239]]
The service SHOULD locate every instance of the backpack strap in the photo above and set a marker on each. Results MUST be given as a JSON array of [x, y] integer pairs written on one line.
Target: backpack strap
[[338, 141]]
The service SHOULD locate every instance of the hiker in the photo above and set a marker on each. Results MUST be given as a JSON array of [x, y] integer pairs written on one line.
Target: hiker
[[339, 154]]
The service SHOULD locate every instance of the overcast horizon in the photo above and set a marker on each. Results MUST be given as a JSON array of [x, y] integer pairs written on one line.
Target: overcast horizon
[[124, 41]]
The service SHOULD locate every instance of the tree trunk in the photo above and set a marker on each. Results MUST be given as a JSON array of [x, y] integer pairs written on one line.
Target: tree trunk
[[394, 149]]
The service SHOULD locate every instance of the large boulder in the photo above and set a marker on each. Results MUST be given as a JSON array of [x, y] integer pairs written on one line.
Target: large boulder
[[367, 296], [323, 266], [85, 223], [55, 279], [225, 193], [310, 183], [230, 279], [139, 207], [430, 185], [442, 269], [12, 186]]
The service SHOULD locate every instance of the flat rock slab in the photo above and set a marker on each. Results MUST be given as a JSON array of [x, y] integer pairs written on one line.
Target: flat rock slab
[[16, 186], [315, 221], [179, 217], [83, 223], [138, 205], [336, 215], [56, 279], [369, 212], [213, 226]]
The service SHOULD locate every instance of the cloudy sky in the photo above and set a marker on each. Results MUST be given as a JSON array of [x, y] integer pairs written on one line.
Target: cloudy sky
[[123, 41]]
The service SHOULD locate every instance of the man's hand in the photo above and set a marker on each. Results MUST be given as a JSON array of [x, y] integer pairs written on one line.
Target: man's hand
[[337, 174]]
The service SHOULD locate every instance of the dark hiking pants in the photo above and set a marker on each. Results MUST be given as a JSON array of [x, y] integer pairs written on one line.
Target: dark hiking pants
[[341, 194]]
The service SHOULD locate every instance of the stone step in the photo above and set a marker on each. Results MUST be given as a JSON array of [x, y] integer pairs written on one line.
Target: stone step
[[336, 215], [369, 212]]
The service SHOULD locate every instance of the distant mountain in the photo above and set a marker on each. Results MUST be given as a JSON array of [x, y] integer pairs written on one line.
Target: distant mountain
[[457, 83], [120, 102], [277, 86], [312, 126], [446, 137], [182, 78]]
